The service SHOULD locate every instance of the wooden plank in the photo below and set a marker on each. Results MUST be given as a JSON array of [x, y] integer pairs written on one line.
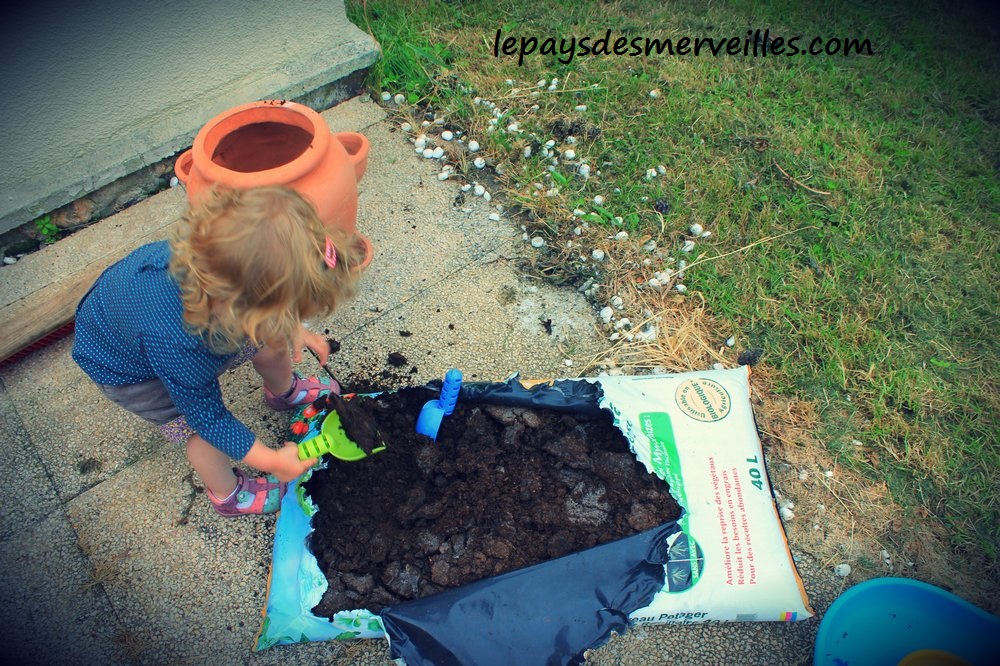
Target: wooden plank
[[32, 318]]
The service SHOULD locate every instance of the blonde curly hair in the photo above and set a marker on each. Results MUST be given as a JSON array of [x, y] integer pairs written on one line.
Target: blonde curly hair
[[250, 264]]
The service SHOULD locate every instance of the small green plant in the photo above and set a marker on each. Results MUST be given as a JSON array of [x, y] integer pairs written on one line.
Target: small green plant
[[47, 229]]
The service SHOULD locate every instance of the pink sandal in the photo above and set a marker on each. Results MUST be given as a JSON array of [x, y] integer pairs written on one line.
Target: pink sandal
[[304, 390], [251, 497]]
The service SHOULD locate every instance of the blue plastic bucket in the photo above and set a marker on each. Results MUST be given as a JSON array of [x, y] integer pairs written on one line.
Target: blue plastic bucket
[[890, 621]]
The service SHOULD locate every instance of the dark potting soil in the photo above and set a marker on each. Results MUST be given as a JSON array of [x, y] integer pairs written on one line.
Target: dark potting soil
[[502, 488]]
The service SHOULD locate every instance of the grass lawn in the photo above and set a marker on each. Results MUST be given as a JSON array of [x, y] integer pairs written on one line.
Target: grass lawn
[[852, 205]]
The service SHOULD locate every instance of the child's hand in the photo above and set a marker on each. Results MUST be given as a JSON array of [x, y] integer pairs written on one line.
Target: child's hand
[[284, 463], [306, 338], [288, 466]]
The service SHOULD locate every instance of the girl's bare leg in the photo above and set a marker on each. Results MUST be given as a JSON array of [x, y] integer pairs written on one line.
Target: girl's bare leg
[[213, 466], [274, 364]]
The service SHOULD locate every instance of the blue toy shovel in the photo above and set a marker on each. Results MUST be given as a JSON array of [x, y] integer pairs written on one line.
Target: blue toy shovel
[[433, 411]]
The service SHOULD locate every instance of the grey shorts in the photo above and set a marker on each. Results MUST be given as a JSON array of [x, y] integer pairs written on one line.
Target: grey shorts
[[150, 399]]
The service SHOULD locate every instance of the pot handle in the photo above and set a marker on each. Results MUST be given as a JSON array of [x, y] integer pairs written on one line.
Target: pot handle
[[182, 167], [357, 146]]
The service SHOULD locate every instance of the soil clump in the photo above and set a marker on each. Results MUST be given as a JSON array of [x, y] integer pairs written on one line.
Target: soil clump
[[501, 489]]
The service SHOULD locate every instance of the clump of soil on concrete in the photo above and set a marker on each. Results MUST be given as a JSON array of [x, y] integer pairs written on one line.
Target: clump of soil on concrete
[[502, 488]]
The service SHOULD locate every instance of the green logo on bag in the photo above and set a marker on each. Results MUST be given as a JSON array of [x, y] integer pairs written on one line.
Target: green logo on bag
[[703, 399], [665, 461]]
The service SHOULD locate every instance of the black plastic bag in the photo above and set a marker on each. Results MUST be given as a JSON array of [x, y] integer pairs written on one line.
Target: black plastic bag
[[549, 613]]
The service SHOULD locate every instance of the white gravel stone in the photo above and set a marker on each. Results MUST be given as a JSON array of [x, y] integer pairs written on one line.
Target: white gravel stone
[[447, 135], [647, 333], [537, 242], [606, 314], [842, 570], [696, 229], [598, 255], [473, 145]]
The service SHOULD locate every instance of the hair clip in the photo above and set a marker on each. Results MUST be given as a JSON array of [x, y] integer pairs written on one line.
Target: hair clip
[[330, 257]]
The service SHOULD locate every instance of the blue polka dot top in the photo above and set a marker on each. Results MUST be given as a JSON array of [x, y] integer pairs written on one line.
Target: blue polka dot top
[[130, 329]]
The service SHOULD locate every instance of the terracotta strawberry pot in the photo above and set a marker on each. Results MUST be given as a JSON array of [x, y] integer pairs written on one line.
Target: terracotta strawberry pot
[[276, 142]]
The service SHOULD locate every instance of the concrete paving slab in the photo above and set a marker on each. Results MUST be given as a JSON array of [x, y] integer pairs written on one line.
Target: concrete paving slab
[[401, 199], [81, 437], [187, 584], [55, 610], [444, 327], [30, 495]]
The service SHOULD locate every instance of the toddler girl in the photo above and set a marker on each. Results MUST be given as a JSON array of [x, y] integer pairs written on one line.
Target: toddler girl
[[156, 330]]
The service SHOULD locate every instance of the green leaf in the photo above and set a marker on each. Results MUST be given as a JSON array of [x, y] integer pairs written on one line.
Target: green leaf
[[605, 213]]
